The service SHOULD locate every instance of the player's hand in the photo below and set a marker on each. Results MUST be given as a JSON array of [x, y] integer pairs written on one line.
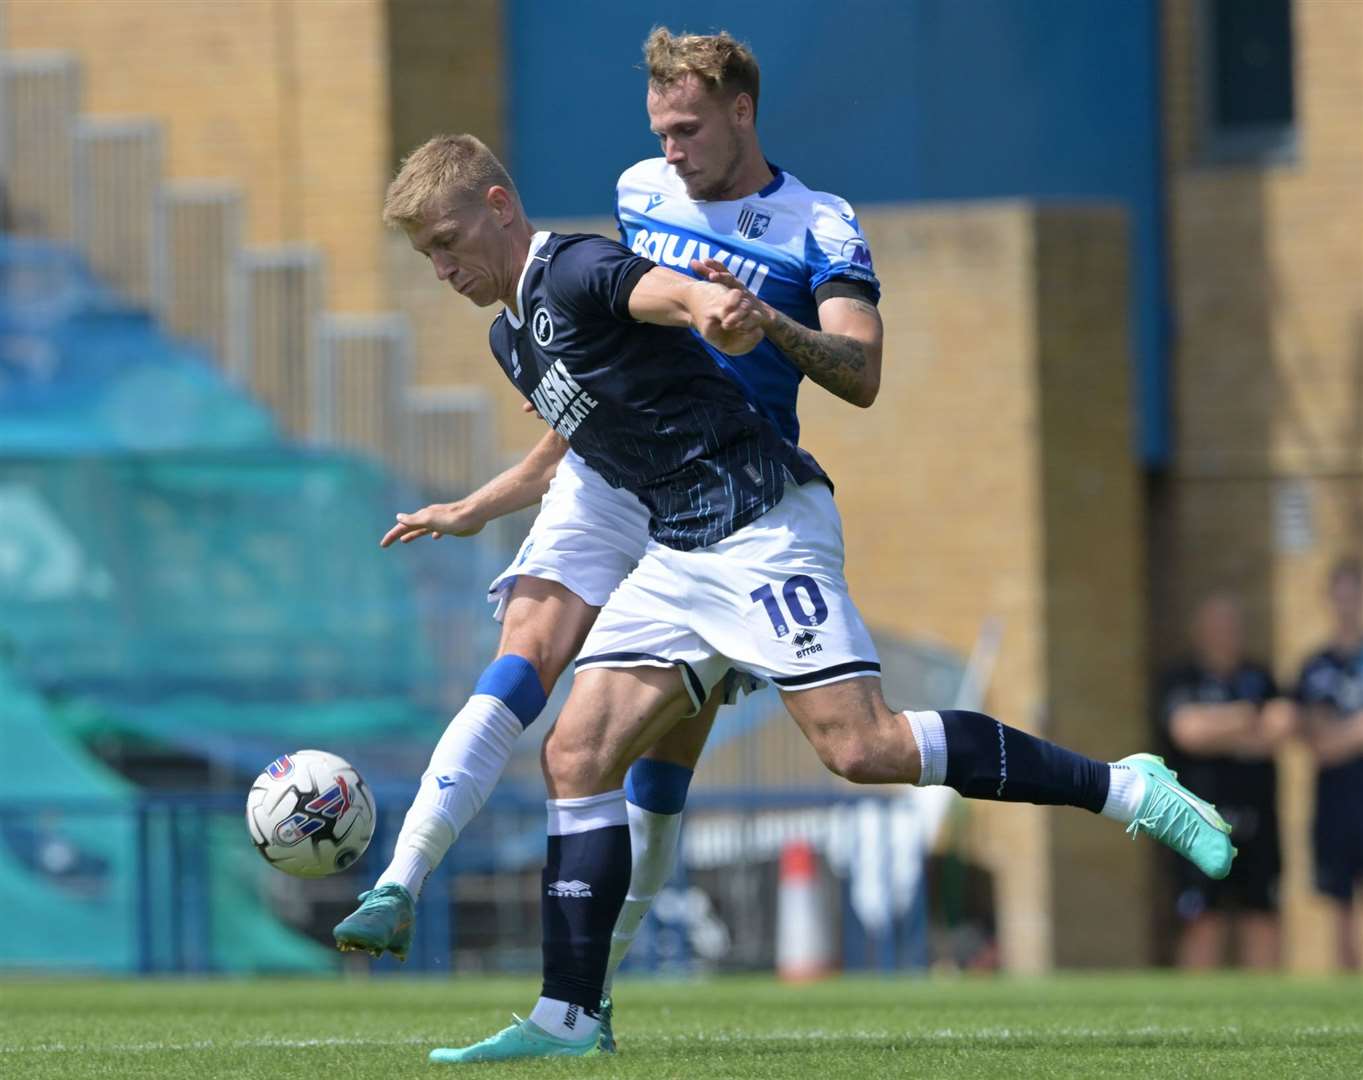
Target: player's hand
[[734, 320], [435, 521]]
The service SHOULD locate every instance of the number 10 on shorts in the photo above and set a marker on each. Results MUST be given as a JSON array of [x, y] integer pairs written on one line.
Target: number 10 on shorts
[[803, 600]]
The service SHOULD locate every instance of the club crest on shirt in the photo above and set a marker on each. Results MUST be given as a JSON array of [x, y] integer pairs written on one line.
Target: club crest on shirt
[[542, 326], [752, 222]]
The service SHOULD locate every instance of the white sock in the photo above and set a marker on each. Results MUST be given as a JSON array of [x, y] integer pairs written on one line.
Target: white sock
[[653, 846], [1125, 790], [563, 1019], [931, 738], [465, 766]]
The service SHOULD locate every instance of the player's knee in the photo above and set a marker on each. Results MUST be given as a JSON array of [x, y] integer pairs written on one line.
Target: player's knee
[[547, 662], [860, 767], [571, 762], [546, 636], [848, 759]]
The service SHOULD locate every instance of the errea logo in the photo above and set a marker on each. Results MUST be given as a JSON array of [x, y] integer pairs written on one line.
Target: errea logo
[[574, 888], [805, 645]]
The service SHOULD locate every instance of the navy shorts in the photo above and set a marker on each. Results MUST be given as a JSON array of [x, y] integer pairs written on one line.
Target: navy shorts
[[1338, 842]]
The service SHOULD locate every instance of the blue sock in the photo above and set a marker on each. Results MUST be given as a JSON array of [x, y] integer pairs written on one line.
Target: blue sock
[[514, 681], [988, 760], [659, 786], [586, 877]]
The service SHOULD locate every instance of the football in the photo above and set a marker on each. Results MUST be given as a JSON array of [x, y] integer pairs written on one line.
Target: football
[[310, 814]]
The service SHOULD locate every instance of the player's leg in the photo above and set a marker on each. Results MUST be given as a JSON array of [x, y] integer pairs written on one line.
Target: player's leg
[[1259, 940], [611, 716], [655, 794], [860, 738], [585, 540], [774, 601], [641, 670], [1333, 842], [1346, 935], [1202, 941], [1258, 868], [543, 628]]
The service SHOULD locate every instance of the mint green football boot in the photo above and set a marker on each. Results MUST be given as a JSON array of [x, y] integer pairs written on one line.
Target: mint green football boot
[[605, 1038], [1174, 816], [522, 1040], [382, 921]]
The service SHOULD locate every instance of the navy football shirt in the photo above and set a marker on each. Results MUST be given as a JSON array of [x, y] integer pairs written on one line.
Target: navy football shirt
[[643, 405], [1335, 680], [1227, 781]]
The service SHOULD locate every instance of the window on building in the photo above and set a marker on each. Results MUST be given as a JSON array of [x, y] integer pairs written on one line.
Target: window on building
[[1248, 93]]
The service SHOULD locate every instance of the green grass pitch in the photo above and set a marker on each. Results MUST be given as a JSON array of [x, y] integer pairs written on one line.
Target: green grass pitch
[[1153, 1026]]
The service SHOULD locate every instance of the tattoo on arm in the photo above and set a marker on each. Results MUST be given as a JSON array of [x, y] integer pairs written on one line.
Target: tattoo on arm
[[834, 361]]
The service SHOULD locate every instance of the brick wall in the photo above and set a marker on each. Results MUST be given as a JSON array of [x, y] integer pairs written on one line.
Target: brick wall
[[1267, 271], [289, 100]]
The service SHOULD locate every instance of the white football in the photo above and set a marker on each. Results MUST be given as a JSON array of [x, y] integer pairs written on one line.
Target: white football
[[310, 814]]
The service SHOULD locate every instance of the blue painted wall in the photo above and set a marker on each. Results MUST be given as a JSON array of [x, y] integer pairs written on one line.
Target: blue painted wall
[[878, 101]]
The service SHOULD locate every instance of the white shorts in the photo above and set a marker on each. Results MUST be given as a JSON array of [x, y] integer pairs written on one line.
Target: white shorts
[[770, 600], [588, 536]]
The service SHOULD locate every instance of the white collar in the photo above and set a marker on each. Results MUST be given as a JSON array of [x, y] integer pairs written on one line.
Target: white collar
[[536, 242]]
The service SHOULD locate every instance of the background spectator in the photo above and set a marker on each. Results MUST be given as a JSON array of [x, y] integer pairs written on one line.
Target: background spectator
[[1224, 721], [1331, 693]]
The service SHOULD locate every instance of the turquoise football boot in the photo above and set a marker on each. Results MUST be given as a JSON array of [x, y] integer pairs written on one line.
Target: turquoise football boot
[[522, 1040], [605, 1038], [382, 921], [1174, 816]]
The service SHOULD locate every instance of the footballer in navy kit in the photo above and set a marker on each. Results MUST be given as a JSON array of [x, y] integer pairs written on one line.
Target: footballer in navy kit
[[703, 465], [1223, 720], [714, 197], [732, 576], [1330, 691]]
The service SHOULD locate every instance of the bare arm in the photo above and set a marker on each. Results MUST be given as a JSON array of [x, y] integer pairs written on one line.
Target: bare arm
[[842, 356], [727, 318], [1237, 729], [1333, 741], [518, 487]]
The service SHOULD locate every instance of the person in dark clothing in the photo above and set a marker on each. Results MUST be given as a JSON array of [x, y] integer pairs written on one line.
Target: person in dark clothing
[[1331, 695], [1224, 720]]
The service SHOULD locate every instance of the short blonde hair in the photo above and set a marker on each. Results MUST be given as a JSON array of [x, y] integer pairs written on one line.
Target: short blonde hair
[[722, 62], [442, 172]]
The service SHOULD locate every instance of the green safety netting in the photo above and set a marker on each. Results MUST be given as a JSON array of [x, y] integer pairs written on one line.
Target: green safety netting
[[72, 879], [173, 574]]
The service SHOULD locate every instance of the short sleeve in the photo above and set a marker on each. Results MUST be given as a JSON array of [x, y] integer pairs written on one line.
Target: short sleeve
[[835, 249], [594, 277], [1316, 685]]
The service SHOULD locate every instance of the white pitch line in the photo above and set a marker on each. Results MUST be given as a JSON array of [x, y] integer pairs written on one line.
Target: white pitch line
[[909, 1038]]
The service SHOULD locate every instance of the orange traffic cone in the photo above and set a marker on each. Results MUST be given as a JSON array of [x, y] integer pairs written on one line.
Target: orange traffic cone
[[804, 937]]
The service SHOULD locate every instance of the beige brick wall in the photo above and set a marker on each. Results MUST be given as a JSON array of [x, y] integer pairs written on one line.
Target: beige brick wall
[[287, 99], [445, 65], [1267, 279]]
